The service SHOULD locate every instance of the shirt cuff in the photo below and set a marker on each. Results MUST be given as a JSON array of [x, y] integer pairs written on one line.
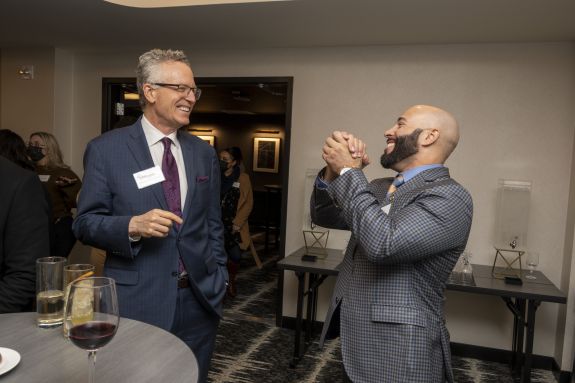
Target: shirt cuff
[[320, 183], [343, 171]]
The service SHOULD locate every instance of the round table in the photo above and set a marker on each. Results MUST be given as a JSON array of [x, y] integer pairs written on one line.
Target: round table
[[138, 353]]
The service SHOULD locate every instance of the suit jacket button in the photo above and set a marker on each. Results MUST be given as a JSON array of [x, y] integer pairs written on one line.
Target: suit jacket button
[[174, 273]]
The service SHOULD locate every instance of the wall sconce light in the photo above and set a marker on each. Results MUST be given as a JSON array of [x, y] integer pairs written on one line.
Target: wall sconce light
[[26, 72], [267, 131], [200, 130], [131, 96]]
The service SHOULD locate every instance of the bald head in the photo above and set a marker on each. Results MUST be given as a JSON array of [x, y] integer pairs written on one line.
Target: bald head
[[426, 117], [422, 135]]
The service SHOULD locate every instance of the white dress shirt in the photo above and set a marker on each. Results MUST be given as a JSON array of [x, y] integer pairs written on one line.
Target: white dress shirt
[[154, 139]]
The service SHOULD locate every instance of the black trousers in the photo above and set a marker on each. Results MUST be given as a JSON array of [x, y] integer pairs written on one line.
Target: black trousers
[[63, 239]]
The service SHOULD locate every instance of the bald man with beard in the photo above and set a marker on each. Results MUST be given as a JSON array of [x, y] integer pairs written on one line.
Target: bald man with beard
[[407, 234]]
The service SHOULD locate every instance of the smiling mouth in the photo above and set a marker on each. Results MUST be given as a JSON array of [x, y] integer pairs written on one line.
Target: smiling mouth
[[186, 109], [390, 146]]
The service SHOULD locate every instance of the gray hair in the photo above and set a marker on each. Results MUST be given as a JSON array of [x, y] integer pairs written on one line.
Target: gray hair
[[148, 63]]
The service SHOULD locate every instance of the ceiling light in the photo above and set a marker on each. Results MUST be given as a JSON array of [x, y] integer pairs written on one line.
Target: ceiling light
[[180, 3]]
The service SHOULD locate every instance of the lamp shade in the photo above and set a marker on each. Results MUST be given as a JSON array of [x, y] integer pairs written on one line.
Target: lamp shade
[[513, 202]]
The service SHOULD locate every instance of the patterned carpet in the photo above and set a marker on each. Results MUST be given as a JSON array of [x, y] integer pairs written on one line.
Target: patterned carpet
[[251, 349]]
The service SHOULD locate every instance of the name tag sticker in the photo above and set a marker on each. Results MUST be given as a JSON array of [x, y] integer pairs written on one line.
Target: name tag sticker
[[236, 185], [149, 177], [386, 208], [44, 177]]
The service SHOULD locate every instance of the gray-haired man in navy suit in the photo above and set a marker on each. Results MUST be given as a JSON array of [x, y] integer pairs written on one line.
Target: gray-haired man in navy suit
[[407, 234], [151, 199]]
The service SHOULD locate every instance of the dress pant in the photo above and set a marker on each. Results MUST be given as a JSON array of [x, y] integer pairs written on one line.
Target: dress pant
[[63, 239], [197, 328]]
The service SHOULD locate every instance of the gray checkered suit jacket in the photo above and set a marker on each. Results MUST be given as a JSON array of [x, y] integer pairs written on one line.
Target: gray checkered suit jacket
[[390, 287]]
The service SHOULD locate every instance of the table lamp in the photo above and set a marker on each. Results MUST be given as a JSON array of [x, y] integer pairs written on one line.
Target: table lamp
[[513, 202], [315, 237]]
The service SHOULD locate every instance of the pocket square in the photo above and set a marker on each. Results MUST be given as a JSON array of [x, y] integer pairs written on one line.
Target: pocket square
[[202, 179]]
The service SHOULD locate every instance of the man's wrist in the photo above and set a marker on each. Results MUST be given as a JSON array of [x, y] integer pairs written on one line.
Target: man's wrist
[[133, 233], [134, 237], [329, 175]]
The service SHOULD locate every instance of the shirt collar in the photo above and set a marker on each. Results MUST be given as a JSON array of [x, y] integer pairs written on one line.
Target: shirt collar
[[153, 135], [409, 174]]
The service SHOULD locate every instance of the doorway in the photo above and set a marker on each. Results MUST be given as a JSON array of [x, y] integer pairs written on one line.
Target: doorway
[[253, 113]]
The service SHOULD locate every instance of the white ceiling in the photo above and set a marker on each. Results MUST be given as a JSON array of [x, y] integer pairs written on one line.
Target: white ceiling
[[89, 24]]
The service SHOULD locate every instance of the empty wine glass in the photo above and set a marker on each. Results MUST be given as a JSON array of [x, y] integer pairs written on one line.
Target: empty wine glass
[[532, 262], [466, 269], [92, 316]]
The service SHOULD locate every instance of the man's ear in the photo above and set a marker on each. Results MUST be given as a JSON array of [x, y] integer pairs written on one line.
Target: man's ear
[[149, 93], [429, 137]]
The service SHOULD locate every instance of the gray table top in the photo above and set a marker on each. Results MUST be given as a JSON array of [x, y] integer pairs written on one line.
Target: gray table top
[[138, 353], [325, 266], [540, 289]]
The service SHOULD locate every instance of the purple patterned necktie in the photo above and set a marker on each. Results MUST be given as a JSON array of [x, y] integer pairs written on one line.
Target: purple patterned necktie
[[171, 188]]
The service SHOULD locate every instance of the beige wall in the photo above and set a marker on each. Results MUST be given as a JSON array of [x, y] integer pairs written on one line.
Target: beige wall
[[514, 103], [27, 105], [566, 320], [64, 130]]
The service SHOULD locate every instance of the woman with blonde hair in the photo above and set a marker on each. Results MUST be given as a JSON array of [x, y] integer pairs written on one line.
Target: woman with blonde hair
[[236, 202], [62, 185]]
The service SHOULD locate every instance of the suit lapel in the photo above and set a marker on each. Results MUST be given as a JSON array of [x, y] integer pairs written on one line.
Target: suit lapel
[[422, 180], [190, 161], [138, 146]]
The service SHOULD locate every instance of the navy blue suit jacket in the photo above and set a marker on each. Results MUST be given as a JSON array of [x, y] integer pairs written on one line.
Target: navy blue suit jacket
[[146, 271]]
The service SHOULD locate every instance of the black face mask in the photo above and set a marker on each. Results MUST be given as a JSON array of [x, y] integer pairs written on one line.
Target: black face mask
[[223, 166], [35, 153]]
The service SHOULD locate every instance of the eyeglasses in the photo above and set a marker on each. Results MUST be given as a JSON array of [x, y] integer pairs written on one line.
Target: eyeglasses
[[180, 88]]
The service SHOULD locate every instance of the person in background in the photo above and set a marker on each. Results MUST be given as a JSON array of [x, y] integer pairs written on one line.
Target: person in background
[[24, 234], [407, 234], [62, 185], [237, 202], [12, 147], [151, 200]]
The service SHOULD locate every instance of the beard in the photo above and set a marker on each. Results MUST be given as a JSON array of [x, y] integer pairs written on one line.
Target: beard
[[405, 146]]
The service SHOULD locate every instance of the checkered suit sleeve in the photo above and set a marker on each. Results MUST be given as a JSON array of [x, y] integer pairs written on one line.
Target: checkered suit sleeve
[[429, 225], [324, 212]]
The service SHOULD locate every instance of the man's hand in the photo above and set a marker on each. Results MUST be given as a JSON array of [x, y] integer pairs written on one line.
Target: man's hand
[[155, 223], [65, 181], [356, 148], [343, 150]]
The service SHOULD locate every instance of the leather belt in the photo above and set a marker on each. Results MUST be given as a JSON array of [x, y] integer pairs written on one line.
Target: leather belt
[[183, 282]]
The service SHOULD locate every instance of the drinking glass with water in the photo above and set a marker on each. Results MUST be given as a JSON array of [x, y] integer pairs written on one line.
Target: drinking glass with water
[[49, 292]]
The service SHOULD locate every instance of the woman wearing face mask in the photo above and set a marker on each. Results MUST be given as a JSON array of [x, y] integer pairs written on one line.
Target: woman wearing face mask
[[236, 202], [62, 185]]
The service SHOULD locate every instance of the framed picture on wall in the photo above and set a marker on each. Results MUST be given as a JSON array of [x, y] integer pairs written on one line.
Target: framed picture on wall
[[209, 139], [266, 154]]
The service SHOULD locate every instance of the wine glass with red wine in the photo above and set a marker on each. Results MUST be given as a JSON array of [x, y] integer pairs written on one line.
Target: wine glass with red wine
[[92, 316]]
